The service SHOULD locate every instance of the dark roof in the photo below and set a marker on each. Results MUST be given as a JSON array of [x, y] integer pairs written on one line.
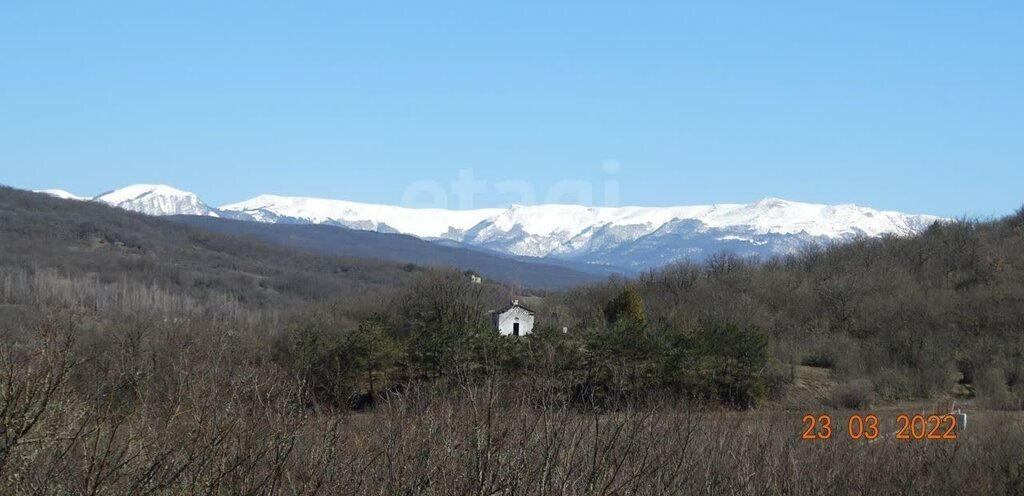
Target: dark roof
[[510, 306]]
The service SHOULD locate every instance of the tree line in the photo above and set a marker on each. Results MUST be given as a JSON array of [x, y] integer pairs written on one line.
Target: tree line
[[937, 315]]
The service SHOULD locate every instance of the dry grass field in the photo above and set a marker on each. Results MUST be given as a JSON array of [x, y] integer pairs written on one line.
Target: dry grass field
[[210, 421]]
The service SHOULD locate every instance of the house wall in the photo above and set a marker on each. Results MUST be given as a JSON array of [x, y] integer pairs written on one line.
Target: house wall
[[508, 319]]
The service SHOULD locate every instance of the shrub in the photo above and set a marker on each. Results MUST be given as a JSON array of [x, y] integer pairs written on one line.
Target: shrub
[[726, 362], [627, 306], [821, 357], [851, 395], [893, 384], [993, 391], [777, 376]]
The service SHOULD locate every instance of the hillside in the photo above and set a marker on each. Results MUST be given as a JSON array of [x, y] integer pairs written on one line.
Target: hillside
[[934, 316], [334, 240], [84, 241]]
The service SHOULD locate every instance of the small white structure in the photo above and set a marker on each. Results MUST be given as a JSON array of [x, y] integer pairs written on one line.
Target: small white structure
[[475, 279], [961, 419], [513, 320]]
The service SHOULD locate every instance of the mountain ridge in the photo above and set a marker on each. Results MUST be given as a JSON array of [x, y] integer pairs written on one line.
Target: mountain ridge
[[635, 237]]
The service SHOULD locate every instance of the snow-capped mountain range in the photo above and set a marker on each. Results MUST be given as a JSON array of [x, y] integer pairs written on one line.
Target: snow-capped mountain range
[[632, 237]]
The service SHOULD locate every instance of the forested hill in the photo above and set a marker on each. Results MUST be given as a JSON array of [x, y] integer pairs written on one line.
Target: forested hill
[[926, 316], [334, 240], [78, 243]]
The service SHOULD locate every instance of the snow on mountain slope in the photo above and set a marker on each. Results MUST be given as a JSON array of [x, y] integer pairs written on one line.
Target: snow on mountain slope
[[59, 193], [632, 237], [602, 234], [421, 222], [775, 216], [545, 220], [156, 199], [768, 216]]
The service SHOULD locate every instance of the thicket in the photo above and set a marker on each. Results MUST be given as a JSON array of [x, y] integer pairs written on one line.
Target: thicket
[[933, 315], [95, 407], [438, 328]]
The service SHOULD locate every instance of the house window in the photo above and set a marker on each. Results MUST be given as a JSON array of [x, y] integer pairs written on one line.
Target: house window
[[515, 329]]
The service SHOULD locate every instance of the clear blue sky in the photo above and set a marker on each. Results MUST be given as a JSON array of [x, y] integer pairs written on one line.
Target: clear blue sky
[[913, 106]]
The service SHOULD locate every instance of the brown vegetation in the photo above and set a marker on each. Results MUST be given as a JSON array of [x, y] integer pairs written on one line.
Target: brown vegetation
[[214, 365], [199, 412], [145, 405]]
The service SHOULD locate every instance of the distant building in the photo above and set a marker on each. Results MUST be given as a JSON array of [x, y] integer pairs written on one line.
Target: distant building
[[475, 279], [513, 320]]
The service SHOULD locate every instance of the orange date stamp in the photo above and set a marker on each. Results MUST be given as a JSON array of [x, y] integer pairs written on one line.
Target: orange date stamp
[[857, 426]]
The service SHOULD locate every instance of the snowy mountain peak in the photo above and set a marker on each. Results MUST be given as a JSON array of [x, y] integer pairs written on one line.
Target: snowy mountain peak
[[59, 193], [633, 237], [136, 191], [156, 199], [772, 202]]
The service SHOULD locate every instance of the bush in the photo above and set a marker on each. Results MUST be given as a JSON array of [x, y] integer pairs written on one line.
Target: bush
[[994, 392], [851, 395], [725, 362], [821, 357], [893, 384], [627, 306], [777, 377]]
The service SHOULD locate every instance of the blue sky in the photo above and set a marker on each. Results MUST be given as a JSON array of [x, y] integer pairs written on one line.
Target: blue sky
[[912, 106]]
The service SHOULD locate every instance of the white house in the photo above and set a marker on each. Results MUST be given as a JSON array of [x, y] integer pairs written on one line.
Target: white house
[[513, 320]]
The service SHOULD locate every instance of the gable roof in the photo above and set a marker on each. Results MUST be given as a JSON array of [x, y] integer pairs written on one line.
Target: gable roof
[[510, 306]]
